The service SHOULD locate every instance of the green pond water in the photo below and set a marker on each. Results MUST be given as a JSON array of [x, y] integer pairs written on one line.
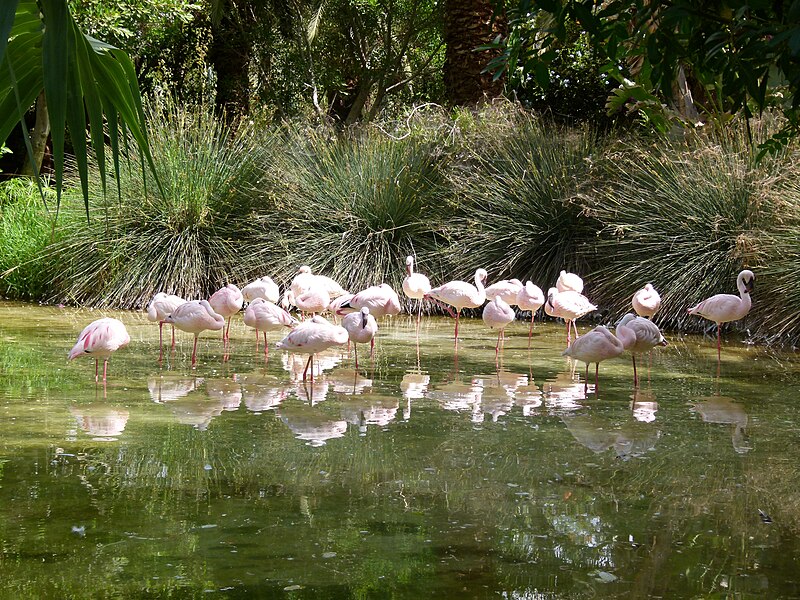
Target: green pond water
[[419, 476]]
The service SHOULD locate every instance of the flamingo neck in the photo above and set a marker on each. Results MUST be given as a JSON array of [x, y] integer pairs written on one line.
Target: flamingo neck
[[626, 336]]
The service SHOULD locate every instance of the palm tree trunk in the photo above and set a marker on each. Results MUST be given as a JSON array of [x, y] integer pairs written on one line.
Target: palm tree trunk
[[39, 136]]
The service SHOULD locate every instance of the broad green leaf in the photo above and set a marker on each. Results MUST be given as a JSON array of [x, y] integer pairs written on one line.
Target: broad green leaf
[[8, 13], [55, 55]]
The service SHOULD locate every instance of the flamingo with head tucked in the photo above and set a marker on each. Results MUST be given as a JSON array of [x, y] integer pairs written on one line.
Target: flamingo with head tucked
[[361, 327], [723, 308], [638, 335], [594, 347], [530, 298], [497, 314], [266, 316], [381, 300], [415, 285], [460, 294], [227, 302], [507, 289], [568, 305], [159, 308], [312, 336], [195, 317], [646, 301], [263, 287], [569, 282], [100, 339]]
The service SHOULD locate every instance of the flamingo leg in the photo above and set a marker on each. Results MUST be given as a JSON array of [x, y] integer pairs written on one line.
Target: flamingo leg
[[497, 345], [719, 342], [419, 315], [569, 337], [635, 376], [458, 313], [194, 351], [228, 330], [266, 345], [105, 369], [596, 377], [96, 370], [586, 380], [305, 371], [530, 329], [160, 341], [371, 348], [575, 326], [355, 349], [173, 337]]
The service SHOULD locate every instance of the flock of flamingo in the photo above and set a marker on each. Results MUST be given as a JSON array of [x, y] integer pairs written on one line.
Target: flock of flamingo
[[311, 294]]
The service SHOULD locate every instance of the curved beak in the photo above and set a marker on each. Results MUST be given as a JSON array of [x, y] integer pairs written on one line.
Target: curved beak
[[750, 285]]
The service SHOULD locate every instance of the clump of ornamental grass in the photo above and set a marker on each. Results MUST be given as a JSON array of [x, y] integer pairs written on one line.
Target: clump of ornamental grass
[[189, 240], [353, 207], [683, 216], [517, 211], [25, 231]]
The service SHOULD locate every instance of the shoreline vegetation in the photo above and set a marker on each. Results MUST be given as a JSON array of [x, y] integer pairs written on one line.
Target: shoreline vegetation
[[494, 188]]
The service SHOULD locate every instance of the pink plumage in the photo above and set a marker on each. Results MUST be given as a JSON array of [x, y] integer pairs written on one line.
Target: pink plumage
[[195, 317], [646, 301], [312, 336], [266, 316], [100, 339], [594, 347], [381, 300], [461, 294], [227, 302]]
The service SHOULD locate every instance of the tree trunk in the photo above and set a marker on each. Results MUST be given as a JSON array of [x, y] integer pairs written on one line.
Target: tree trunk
[[230, 54], [467, 25], [39, 136]]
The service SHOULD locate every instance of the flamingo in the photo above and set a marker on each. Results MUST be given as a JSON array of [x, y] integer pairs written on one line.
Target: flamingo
[[568, 305], [461, 294], [312, 336], [305, 280], [646, 301], [530, 298], [594, 347], [361, 328], [336, 305], [315, 299], [723, 308], [507, 289], [227, 302], [195, 317], [569, 282], [160, 306], [263, 287], [415, 285], [498, 314], [100, 339], [266, 316], [381, 300], [638, 335]]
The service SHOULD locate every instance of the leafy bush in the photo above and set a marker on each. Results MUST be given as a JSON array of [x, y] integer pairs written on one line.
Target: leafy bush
[[189, 241]]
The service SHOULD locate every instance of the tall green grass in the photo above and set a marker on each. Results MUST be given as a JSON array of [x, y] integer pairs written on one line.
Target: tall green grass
[[197, 236], [686, 217], [354, 206], [518, 210]]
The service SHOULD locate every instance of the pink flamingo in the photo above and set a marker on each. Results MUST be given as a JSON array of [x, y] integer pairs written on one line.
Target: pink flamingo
[[723, 308], [381, 300], [569, 282], [227, 302], [638, 335], [99, 339], [263, 287], [336, 305], [461, 294], [315, 299], [160, 306], [415, 286], [568, 305], [594, 347], [195, 317], [305, 280], [498, 314], [266, 316], [507, 289], [361, 327], [312, 336], [646, 301], [530, 298]]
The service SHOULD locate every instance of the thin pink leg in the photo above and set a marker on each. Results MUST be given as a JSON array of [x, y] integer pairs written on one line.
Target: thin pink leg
[[266, 345], [372, 348], [305, 371], [569, 337], [173, 337], [530, 330], [228, 330], [497, 345], [105, 369], [586, 380], [96, 370], [719, 343], [458, 313], [160, 341], [635, 375], [355, 349], [194, 351], [596, 377]]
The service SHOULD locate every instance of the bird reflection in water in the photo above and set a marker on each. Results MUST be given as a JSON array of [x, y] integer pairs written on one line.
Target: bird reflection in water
[[262, 392], [725, 411], [629, 440], [310, 425], [227, 392], [413, 386], [460, 397], [199, 406], [644, 405], [370, 410], [167, 387], [323, 361], [498, 392], [99, 420], [562, 393], [348, 381]]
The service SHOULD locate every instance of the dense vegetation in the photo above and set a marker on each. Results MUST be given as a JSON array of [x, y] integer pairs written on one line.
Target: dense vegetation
[[498, 188]]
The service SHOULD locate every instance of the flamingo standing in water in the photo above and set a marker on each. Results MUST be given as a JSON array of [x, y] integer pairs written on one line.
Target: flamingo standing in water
[[530, 298], [195, 317], [315, 299], [638, 335], [723, 308], [361, 327], [159, 308], [415, 286], [507, 289], [498, 314], [227, 302], [570, 306], [263, 287], [569, 282], [381, 300], [460, 294], [594, 347], [646, 301], [266, 316], [100, 339], [312, 336]]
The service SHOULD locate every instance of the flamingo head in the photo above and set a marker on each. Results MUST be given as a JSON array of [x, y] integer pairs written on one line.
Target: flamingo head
[[481, 275], [364, 315], [304, 269], [746, 281]]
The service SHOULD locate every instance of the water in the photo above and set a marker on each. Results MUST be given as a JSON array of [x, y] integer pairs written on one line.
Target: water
[[417, 477]]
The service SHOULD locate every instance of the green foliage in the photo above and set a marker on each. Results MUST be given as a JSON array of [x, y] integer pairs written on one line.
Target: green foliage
[[25, 229], [191, 240], [686, 217], [517, 212], [356, 206]]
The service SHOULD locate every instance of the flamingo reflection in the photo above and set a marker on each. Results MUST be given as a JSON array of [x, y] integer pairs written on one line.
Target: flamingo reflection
[[725, 410], [99, 420], [310, 425]]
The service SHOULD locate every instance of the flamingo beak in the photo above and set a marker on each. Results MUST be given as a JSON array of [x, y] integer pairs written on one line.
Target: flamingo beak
[[750, 285]]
